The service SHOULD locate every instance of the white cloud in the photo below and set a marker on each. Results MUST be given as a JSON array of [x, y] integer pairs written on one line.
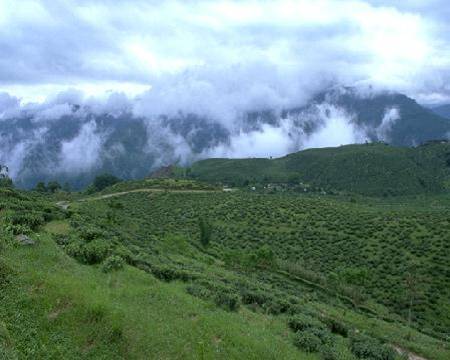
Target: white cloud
[[384, 129], [218, 48], [81, 153], [337, 129]]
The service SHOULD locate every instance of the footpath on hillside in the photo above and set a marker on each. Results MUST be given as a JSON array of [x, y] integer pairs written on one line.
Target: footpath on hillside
[[65, 204]]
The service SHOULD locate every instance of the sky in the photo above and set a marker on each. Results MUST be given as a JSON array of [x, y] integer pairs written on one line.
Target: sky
[[218, 60], [223, 54]]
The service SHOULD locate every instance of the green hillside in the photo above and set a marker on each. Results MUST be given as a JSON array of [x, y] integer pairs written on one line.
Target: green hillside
[[186, 271], [370, 169]]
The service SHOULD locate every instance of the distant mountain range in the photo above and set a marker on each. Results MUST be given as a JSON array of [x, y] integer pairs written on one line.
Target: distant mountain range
[[81, 143], [442, 110]]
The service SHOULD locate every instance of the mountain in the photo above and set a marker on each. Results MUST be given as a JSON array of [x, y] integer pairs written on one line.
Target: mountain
[[375, 169], [390, 117], [73, 143], [442, 110]]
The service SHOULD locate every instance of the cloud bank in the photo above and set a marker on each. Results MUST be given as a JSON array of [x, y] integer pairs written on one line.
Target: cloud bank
[[271, 51], [84, 83]]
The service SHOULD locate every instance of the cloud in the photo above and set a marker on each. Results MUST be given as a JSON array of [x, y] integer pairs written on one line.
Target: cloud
[[13, 152], [78, 68], [271, 49], [8, 104], [333, 126], [389, 119], [337, 128], [82, 152]]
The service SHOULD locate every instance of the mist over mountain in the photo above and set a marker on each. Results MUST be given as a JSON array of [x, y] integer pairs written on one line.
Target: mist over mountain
[[71, 139], [442, 110]]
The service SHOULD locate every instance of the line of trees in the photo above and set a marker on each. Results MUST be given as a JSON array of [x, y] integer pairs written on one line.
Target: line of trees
[[5, 180], [51, 187]]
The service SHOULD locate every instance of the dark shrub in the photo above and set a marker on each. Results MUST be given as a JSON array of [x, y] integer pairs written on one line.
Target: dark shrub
[[199, 291], [167, 273], [90, 233], [125, 254], [328, 352], [5, 274], [103, 181], [336, 326], [307, 341], [301, 322], [112, 263], [93, 252], [365, 347], [61, 239], [227, 300], [278, 306], [205, 231], [258, 297]]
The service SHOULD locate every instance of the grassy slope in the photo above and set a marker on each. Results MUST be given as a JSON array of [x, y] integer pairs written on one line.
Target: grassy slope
[[58, 308], [55, 308], [371, 169], [242, 223]]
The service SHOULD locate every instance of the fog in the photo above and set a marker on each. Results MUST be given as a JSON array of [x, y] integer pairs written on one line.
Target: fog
[[71, 72]]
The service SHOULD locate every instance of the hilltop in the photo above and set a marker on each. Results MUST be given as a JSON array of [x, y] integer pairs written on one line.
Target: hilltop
[[374, 169]]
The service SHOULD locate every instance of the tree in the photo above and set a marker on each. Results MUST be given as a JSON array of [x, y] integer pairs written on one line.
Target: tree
[[5, 180], [265, 257], [66, 187], [40, 187], [53, 186], [205, 231], [103, 181], [412, 282]]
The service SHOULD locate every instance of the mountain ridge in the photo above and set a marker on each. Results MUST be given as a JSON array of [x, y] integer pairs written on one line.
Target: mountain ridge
[[76, 147]]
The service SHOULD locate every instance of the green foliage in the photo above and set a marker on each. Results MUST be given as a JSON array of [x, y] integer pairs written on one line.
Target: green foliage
[[316, 339], [167, 273], [6, 183], [336, 326], [93, 252], [264, 257], [290, 254], [302, 322], [112, 263], [22, 213], [365, 347], [308, 341], [205, 231], [157, 184], [103, 181], [370, 169], [5, 180], [227, 299], [223, 297], [358, 251], [53, 186], [40, 187]]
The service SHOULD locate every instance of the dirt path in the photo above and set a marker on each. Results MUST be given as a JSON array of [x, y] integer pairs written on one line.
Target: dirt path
[[65, 204], [411, 355]]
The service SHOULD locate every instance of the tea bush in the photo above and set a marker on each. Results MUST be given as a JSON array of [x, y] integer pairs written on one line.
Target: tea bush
[[112, 263], [302, 322], [365, 347]]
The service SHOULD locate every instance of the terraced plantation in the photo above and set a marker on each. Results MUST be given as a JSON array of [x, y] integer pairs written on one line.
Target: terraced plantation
[[374, 169], [148, 264]]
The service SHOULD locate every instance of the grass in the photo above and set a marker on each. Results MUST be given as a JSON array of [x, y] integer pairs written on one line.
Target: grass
[[56, 308], [342, 262], [329, 237]]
